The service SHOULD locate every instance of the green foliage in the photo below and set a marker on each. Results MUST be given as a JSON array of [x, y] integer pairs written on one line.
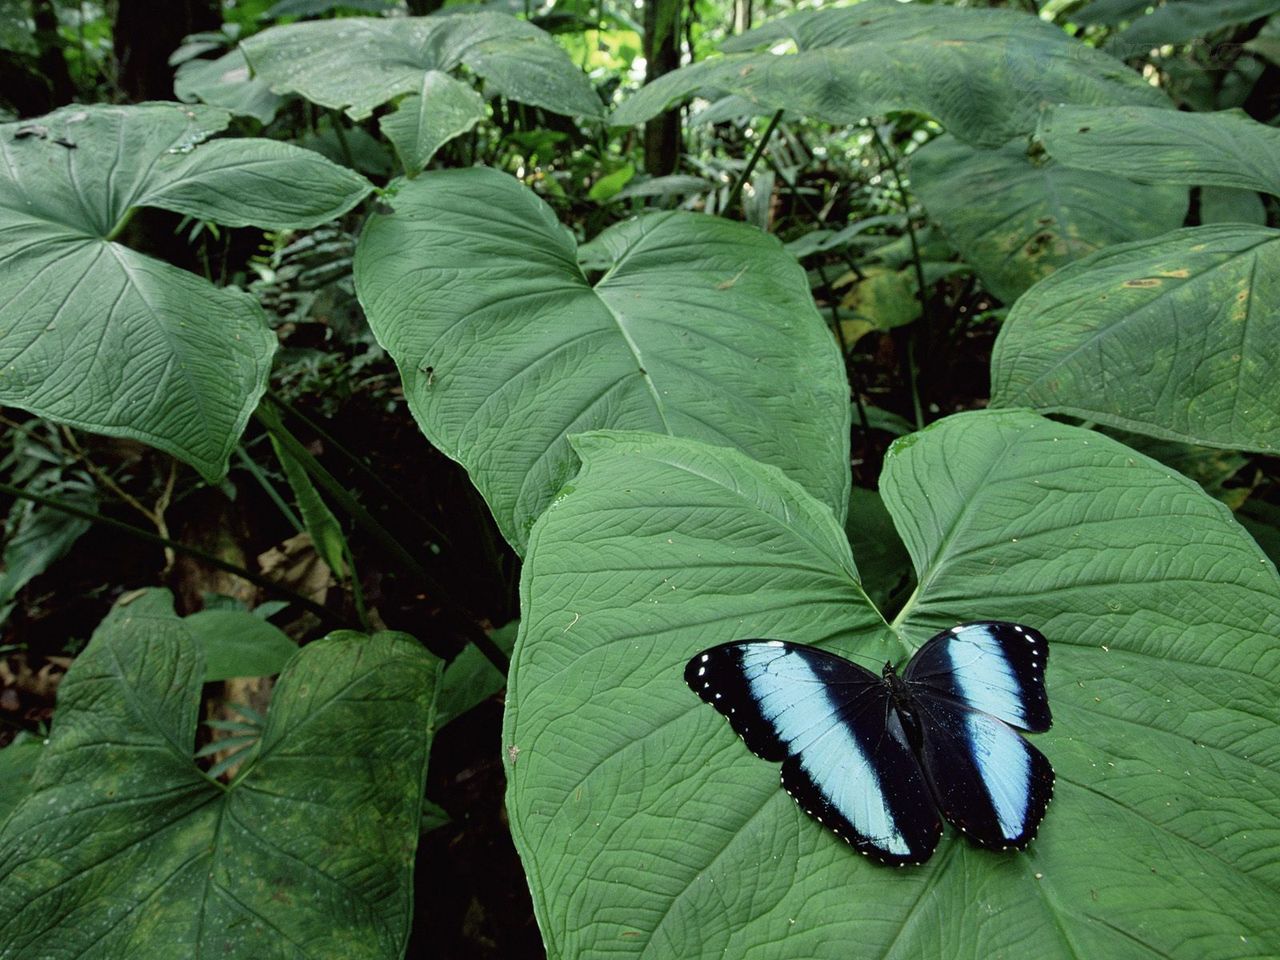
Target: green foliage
[[1018, 218], [658, 416], [96, 335], [989, 72], [358, 64], [125, 848], [1195, 313], [623, 785], [1220, 149], [699, 327], [237, 643]]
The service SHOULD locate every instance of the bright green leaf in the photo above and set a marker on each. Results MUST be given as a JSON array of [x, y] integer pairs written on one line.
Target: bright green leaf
[[701, 327], [644, 824], [982, 74], [1017, 220], [1177, 337], [124, 849], [236, 643], [360, 63], [607, 187], [1226, 149]]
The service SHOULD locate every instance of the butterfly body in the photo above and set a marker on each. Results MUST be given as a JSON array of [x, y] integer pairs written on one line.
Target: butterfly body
[[882, 760]]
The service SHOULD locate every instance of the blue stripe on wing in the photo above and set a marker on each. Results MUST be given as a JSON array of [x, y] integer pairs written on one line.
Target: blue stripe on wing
[[848, 763], [991, 666], [989, 782]]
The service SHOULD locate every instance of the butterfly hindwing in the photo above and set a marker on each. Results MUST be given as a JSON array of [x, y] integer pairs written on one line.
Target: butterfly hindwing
[[847, 759], [991, 666], [988, 781]]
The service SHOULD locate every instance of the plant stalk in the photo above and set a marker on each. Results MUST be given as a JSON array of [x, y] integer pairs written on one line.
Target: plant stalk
[[749, 169], [146, 536]]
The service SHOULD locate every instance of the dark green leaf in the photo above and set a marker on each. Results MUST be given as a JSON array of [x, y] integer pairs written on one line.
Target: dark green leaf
[[1017, 220], [989, 72], [1226, 149], [124, 849]]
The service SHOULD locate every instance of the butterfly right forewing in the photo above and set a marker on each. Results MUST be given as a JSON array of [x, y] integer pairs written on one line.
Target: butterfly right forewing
[[846, 758]]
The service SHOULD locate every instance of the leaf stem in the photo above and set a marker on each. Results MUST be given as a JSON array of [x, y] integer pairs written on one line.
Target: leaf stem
[[148, 537], [270, 420], [743, 177]]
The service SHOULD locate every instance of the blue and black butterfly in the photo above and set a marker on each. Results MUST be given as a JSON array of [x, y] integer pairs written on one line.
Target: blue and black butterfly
[[876, 759]]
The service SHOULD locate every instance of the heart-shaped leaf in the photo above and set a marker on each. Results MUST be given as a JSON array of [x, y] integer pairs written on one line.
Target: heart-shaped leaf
[[988, 74], [1226, 149], [360, 63], [1017, 220], [648, 830], [700, 327], [123, 848], [98, 336], [1177, 337]]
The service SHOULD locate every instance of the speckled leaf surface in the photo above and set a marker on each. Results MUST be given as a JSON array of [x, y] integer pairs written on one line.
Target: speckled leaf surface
[[124, 849], [700, 328], [1226, 149], [982, 74], [98, 336], [359, 63], [648, 830], [1017, 220], [1177, 337]]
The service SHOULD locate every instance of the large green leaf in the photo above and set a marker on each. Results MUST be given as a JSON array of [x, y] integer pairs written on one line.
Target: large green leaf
[[98, 336], [125, 849], [1226, 149], [982, 74], [648, 830], [701, 327], [1017, 219], [1181, 20], [225, 82], [360, 63], [1177, 337]]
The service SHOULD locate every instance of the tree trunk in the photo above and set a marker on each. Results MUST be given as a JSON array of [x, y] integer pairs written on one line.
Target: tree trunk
[[146, 32], [50, 59], [662, 55]]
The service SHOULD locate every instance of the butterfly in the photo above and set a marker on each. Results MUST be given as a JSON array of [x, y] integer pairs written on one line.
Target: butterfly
[[881, 760]]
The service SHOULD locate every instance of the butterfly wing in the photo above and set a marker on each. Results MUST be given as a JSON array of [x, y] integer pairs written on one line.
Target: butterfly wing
[[988, 781], [991, 666], [846, 759]]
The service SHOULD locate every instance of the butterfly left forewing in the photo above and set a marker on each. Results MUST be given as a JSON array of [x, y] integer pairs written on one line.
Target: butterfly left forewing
[[847, 761], [988, 781]]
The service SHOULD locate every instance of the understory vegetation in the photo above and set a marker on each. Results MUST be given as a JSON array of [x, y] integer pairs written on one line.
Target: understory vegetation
[[395, 394]]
